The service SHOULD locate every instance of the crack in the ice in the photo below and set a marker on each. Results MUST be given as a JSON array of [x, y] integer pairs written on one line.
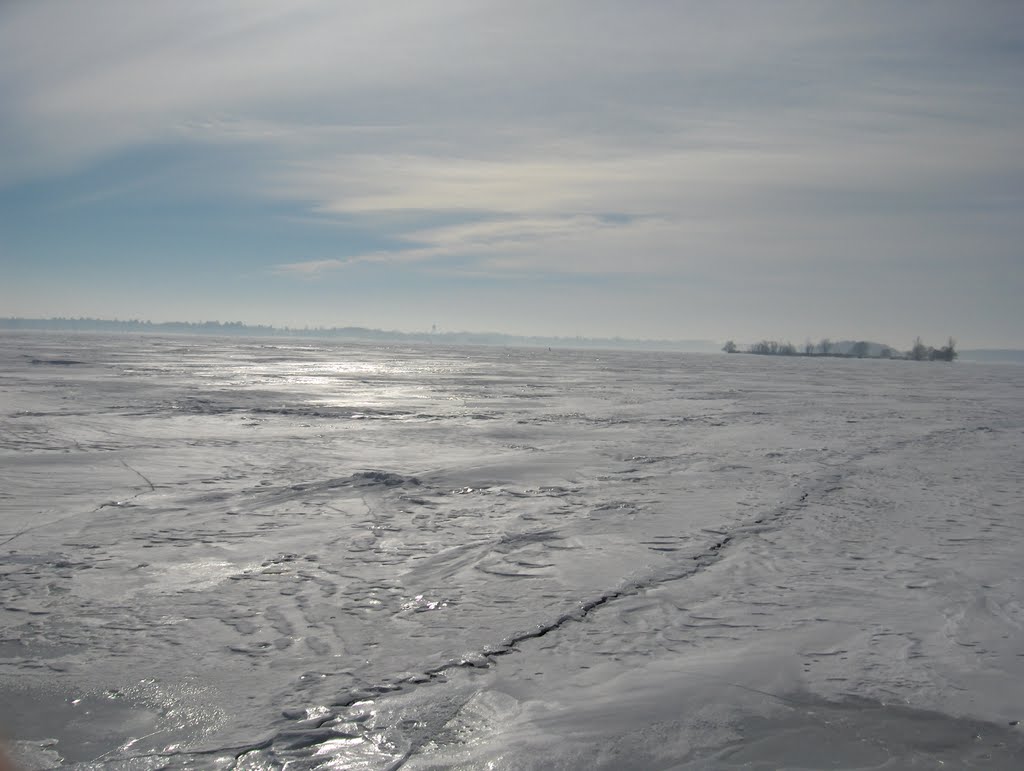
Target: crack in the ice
[[700, 562], [138, 473], [104, 505], [488, 656], [508, 646]]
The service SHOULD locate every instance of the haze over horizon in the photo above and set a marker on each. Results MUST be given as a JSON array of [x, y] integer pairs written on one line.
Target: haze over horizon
[[650, 170]]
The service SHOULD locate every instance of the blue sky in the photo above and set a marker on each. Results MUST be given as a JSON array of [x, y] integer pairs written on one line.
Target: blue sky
[[643, 169]]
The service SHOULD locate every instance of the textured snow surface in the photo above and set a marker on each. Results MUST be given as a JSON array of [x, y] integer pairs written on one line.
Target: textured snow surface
[[264, 554]]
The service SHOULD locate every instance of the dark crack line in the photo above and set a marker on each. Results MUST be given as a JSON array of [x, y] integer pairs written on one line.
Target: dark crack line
[[141, 476], [700, 562], [57, 521], [41, 525], [507, 646]]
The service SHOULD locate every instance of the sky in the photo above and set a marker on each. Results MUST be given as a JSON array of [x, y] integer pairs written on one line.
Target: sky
[[644, 169]]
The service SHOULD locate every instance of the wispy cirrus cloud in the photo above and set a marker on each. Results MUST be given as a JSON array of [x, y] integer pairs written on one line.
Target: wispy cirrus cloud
[[710, 196]]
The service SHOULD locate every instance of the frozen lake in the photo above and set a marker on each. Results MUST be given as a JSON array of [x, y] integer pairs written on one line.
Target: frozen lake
[[245, 554]]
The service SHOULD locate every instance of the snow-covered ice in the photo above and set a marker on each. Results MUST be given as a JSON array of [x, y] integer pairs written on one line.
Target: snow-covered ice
[[237, 554]]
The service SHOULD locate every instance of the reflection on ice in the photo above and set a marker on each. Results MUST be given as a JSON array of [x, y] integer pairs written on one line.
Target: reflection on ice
[[421, 603]]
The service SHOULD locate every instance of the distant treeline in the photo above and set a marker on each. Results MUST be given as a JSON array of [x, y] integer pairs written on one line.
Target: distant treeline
[[848, 349], [83, 324], [237, 328]]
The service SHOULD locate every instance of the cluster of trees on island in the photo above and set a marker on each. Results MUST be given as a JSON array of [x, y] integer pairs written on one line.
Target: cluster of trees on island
[[848, 350]]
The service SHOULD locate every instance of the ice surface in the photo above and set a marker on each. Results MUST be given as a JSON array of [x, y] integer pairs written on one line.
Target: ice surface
[[247, 554]]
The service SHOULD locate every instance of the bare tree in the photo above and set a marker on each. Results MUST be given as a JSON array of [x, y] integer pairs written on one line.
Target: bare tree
[[860, 349], [773, 348], [729, 347], [946, 353], [808, 347], [920, 351], [825, 345]]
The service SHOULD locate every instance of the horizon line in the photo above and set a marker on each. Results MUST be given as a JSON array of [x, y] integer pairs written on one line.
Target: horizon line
[[396, 335]]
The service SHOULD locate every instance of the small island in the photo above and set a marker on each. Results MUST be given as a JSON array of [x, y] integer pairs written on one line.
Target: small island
[[848, 349]]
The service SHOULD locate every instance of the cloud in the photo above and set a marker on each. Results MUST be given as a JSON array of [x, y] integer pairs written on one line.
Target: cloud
[[310, 268], [711, 197], [84, 80], [598, 138]]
